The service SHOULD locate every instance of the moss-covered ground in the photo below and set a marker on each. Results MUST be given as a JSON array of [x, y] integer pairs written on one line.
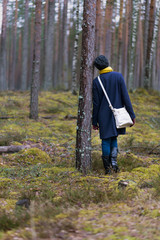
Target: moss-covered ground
[[64, 204]]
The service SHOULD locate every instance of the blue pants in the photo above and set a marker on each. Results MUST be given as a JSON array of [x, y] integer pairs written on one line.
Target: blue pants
[[108, 144]]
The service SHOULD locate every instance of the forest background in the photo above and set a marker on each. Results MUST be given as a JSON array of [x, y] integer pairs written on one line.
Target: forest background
[[127, 32]]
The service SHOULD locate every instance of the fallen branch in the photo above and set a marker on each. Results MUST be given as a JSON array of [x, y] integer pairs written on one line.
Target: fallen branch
[[16, 148]]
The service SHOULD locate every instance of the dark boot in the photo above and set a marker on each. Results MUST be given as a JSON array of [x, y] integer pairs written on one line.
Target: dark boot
[[107, 164], [114, 153]]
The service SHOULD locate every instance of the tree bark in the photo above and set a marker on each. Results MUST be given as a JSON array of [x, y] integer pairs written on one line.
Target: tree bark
[[75, 53], [3, 50], [83, 139], [13, 66], [48, 84], [25, 49], [149, 42], [108, 28], [36, 63], [120, 29]]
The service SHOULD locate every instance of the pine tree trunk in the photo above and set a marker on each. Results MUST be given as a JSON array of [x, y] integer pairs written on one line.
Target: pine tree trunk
[[57, 48], [149, 42], [98, 27], [3, 50], [146, 24], [13, 66], [120, 37], [25, 49], [75, 53], [36, 63], [83, 140], [31, 49], [157, 86], [48, 84], [125, 61], [108, 28], [64, 62]]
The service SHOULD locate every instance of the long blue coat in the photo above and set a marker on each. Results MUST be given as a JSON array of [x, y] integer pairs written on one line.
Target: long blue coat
[[102, 115]]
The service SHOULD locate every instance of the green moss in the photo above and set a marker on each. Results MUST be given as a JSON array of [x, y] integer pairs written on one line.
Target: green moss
[[29, 156]]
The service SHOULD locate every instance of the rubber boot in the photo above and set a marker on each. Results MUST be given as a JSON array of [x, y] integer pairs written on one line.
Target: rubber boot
[[114, 153], [107, 164]]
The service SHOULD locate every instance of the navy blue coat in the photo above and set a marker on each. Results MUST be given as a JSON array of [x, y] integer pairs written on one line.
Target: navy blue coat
[[102, 115]]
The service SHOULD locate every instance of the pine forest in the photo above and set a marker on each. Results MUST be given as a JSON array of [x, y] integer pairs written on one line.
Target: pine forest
[[69, 170]]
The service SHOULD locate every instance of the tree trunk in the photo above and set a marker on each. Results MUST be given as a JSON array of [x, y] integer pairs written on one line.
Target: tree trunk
[[83, 140], [120, 37], [108, 28], [149, 42], [13, 66], [36, 63], [98, 27], [48, 84], [145, 34], [64, 46], [3, 50], [57, 48], [25, 49], [31, 47], [75, 53], [125, 61]]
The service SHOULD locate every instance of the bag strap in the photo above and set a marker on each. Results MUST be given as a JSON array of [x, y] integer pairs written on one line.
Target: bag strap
[[110, 105]]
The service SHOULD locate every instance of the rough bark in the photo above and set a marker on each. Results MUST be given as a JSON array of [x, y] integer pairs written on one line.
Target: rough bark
[[13, 66], [48, 84], [83, 139], [120, 37], [149, 41], [146, 24], [98, 27], [25, 49], [75, 53], [108, 28], [3, 50], [36, 63], [57, 48]]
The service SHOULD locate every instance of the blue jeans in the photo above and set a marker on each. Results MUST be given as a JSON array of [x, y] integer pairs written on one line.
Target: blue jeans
[[108, 144]]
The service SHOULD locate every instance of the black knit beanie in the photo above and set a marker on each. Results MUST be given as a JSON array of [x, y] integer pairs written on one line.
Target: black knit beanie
[[101, 62]]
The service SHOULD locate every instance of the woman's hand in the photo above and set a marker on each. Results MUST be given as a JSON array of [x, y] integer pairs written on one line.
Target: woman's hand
[[134, 121]]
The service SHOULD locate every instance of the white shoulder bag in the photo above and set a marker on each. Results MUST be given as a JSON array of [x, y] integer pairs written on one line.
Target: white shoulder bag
[[121, 115]]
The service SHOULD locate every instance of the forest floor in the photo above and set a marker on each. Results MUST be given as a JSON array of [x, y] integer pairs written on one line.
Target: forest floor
[[61, 203]]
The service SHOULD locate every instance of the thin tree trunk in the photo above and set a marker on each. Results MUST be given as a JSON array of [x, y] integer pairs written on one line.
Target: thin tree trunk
[[146, 24], [75, 53], [36, 63], [125, 61], [64, 62], [31, 49], [13, 67], [98, 27], [120, 37], [19, 64], [108, 28], [3, 50], [57, 48], [48, 84], [83, 140], [149, 42], [25, 49]]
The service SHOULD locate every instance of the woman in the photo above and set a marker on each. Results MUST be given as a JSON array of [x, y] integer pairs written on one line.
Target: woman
[[102, 117]]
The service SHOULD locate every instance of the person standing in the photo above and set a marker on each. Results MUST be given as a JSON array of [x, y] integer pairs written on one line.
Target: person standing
[[102, 116]]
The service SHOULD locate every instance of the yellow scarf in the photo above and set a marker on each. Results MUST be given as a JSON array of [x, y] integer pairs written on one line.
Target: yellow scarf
[[106, 70]]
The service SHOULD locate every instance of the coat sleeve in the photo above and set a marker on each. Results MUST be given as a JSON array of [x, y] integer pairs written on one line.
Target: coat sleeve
[[126, 99], [96, 104]]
